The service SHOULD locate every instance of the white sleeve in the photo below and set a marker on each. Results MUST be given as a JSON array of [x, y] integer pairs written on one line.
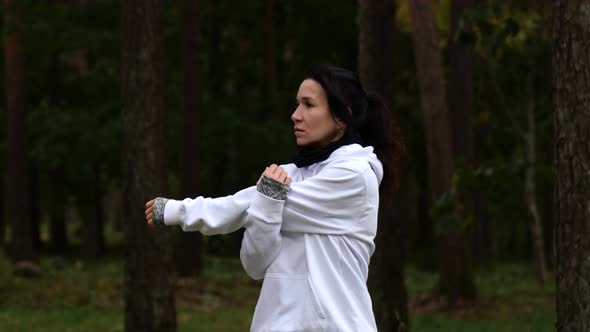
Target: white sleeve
[[334, 201], [210, 216], [262, 239]]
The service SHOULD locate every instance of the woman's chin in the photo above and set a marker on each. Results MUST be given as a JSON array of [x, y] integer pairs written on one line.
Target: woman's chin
[[301, 142]]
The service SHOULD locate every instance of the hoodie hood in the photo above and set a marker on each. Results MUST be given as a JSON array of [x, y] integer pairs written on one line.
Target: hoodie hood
[[357, 151]]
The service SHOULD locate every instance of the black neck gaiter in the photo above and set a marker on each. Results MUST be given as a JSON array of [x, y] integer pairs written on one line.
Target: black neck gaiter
[[305, 156]]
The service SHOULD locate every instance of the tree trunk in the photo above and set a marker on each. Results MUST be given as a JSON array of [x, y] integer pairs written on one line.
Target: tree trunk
[[57, 222], [386, 274], [460, 97], [456, 281], [189, 245], [530, 182], [149, 280], [35, 208], [571, 83], [18, 197], [2, 216], [270, 59], [460, 86], [484, 241]]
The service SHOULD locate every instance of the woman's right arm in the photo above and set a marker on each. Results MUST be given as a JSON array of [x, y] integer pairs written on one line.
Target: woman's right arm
[[208, 216]]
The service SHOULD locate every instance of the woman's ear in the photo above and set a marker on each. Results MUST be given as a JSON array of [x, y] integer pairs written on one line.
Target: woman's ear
[[341, 125]]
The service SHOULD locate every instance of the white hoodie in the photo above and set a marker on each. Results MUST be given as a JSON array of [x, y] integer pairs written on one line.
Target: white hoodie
[[312, 249]]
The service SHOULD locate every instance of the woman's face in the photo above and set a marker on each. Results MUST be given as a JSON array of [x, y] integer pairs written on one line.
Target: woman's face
[[314, 124]]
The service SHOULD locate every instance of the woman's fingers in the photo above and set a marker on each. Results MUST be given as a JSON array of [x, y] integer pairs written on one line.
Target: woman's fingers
[[149, 214], [276, 173], [282, 177]]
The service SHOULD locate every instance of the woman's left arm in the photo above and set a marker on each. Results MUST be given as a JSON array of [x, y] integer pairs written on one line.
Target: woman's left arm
[[262, 238]]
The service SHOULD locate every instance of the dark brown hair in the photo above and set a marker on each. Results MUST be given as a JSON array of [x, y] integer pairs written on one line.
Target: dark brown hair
[[365, 114]]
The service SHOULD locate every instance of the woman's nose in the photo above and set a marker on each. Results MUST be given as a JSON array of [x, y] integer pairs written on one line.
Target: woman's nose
[[296, 116]]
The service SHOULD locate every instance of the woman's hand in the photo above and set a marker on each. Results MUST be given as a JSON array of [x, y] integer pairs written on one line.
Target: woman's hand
[[276, 173], [149, 212]]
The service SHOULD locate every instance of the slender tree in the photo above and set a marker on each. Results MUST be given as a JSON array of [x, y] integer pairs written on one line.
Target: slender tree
[[460, 97], [530, 185], [92, 208], [270, 59], [18, 196], [376, 68], [149, 280], [571, 83], [189, 246], [460, 87], [456, 281]]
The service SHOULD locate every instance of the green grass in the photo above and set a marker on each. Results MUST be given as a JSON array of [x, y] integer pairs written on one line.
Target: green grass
[[76, 295], [511, 299]]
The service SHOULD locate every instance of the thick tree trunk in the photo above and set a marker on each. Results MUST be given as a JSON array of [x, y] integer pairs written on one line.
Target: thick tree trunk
[[433, 100], [189, 245], [149, 279], [456, 281], [18, 197], [386, 274], [571, 83], [460, 97]]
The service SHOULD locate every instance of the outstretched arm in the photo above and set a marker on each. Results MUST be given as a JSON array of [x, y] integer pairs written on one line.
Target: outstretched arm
[[208, 216]]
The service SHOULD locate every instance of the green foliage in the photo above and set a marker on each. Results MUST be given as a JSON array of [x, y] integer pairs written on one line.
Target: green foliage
[[74, 124]]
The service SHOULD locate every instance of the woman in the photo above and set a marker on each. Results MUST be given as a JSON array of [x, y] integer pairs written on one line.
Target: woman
[[309, 225]]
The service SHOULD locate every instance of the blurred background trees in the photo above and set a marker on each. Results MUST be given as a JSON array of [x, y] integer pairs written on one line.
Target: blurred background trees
[[470, 84]]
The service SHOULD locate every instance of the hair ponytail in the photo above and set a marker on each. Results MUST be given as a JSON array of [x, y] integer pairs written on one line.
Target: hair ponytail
[[380, 131], [365, 115]]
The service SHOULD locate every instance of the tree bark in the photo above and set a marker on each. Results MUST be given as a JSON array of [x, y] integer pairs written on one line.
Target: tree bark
[[189, 245], [149, 278], [456, 281], [571, 83], [386, 274], [18, 197]]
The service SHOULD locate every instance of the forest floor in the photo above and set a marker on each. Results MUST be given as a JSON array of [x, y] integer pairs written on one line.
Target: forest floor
[[86, 295]]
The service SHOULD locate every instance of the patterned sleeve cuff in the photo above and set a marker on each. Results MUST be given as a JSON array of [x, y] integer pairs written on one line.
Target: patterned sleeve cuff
[[272, 188], [158, 211]]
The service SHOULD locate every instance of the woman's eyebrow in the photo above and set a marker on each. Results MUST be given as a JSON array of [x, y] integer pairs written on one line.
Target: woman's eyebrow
[[305, 98]]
